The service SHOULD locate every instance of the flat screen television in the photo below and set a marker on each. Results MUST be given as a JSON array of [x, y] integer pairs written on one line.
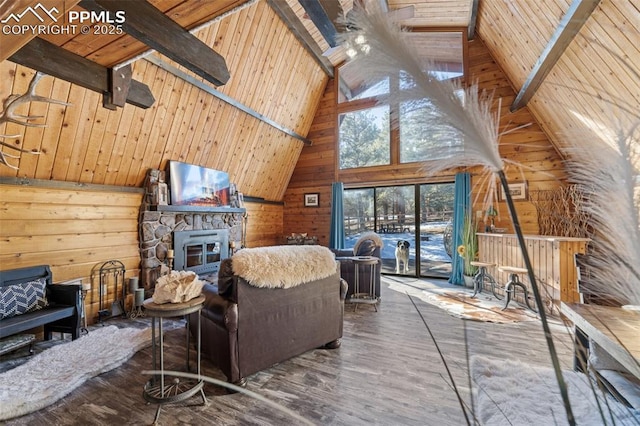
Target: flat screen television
[[191, 185]]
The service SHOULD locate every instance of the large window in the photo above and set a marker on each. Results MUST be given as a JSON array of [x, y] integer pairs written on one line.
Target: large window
[[420, 141], [364, 138], [353, 88], [358, 211]]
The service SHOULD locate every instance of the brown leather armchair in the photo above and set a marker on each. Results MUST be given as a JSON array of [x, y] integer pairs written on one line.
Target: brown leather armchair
[[246, 329]]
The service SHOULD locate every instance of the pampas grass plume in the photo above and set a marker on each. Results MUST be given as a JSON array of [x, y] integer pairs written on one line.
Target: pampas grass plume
[[608, 176]]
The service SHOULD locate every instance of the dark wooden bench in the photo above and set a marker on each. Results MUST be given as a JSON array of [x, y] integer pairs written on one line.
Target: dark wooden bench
[[62, 314]]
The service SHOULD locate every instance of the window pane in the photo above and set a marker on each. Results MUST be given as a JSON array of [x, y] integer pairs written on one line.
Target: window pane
[[421, 139], [352, 87], [436, 212], [441, 51], [358, 213], [364, 138], [395, 215]]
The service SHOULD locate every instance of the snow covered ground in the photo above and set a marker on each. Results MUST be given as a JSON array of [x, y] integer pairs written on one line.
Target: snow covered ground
[[430, 250]]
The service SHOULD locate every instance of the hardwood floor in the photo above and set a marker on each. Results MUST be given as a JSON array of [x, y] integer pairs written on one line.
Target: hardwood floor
[[386, 372]]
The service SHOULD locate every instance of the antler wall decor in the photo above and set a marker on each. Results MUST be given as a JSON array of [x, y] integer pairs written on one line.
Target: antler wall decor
[[9, 115]]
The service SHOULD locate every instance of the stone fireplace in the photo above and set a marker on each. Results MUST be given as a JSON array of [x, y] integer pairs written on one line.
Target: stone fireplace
[[159, 225], [208, 232]]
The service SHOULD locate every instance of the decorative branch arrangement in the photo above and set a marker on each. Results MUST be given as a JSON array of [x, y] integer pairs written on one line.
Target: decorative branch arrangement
[[9, 115], [381, 49], [560, 212]]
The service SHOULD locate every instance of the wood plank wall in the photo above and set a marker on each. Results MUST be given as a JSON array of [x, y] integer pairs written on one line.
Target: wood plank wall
[[530, 154], [540, 164], [264, 224], [70, 230], [76, 230], [314, 173], [270, 72]]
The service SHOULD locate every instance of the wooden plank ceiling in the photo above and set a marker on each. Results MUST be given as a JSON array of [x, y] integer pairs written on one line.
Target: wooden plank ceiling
[[270, 73], [593, 88], [435, 13], [275, 75], [113, 49]]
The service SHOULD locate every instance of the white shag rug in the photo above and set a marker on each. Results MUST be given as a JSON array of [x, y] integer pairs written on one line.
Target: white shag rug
[[283, 266], [54, 373], [513, 393]]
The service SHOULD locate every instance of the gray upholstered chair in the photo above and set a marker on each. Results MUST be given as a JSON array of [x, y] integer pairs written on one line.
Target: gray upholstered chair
[[369, 244]]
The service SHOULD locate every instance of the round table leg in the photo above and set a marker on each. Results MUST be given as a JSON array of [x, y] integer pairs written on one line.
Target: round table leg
[[160, 389]]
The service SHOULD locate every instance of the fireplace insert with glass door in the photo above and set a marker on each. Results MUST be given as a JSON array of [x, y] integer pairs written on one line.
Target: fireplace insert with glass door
[[200, 251]]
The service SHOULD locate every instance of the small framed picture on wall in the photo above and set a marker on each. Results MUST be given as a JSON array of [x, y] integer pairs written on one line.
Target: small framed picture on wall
[[312, 200], [518, 191]]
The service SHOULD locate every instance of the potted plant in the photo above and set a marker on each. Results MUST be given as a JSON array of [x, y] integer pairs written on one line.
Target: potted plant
[[468, 249]]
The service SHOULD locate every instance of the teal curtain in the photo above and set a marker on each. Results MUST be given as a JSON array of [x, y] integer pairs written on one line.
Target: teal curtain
[[336, 238], [461, 203]]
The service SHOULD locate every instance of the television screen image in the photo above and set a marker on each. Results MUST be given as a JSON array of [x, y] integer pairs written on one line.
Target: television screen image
[[192, 185]]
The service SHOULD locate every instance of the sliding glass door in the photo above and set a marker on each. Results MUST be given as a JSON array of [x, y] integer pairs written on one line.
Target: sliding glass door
[[412, 220], [395, 215], [358, 214], [436, 213]]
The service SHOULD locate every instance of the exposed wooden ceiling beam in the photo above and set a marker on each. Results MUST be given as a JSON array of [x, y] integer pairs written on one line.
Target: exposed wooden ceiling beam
[[296, 27], [321, 20], [152, 27], [473, 19], [41, 55], [569, 26]]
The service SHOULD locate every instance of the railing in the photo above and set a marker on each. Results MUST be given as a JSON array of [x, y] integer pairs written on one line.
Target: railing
[[391, 223]]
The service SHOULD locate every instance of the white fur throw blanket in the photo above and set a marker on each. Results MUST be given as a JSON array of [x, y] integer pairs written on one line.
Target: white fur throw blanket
[[283, 266]]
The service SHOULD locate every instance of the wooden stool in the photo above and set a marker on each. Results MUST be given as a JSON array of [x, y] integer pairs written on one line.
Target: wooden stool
[[480, 277], [514, 282]]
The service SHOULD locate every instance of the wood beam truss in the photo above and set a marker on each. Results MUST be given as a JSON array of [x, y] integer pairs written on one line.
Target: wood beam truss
[[296, 27], [152, 27], [572, 21], [473, 19], [318, 11], [44, 56]]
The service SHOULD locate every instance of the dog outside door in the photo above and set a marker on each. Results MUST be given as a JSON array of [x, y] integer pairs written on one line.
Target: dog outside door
[[402, 256]]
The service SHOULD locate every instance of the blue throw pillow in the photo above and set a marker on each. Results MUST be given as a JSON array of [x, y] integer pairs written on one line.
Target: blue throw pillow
[[21, 298]]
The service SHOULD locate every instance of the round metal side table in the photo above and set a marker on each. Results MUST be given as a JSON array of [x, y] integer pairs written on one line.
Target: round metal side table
[[163, 388], [364, 292]]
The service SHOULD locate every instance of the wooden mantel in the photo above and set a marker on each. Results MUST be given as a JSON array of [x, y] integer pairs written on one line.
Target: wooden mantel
[[552, 258], [197, 209]]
